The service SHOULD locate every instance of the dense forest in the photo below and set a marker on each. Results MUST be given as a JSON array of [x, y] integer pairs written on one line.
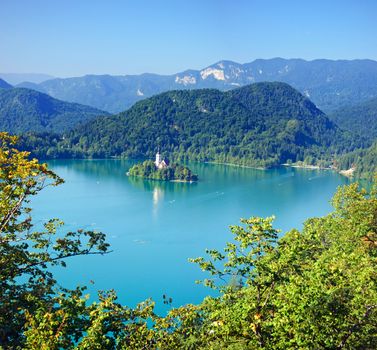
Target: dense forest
[[261, 125], [360, 119], [364, 162], [173, 171], [311, 289], [24, 110]]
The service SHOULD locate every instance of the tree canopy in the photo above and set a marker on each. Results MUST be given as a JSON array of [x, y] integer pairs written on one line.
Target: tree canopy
[[27, 251], [360, 119]]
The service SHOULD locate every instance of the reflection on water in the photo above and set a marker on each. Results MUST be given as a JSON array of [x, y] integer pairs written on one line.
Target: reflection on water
[[158, 189], [158, 195], [165, 186]]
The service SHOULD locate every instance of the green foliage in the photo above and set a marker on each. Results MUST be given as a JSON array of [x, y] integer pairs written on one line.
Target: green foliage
[[314, 289], [361, 119], [102, 325], [174, 171], [260, 125], [23, 110], [25, 251], [363, 161]]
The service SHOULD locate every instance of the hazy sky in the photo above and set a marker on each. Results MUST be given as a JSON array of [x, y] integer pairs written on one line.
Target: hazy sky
[[77, 37]]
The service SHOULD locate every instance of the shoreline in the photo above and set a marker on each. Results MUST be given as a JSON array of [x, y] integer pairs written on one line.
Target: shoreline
[[348, 173], [236, 165], [151, 179], [312, 167]]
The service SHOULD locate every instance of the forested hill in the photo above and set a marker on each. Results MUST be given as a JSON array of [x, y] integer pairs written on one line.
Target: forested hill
[[23, 110], [4, 84], [263, 124], [361, 119]]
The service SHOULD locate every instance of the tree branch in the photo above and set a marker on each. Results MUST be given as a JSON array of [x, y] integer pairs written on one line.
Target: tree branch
[[7, 217], [63, 257]]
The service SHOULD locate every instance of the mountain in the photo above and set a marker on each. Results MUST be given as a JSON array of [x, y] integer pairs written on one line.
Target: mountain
[[4, 84], [17, 78], [262, 124], [361, 118], [329, 84], [23, 110], [110, 93]]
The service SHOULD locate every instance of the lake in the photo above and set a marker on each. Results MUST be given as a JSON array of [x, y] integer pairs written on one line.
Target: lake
[[154, 227]]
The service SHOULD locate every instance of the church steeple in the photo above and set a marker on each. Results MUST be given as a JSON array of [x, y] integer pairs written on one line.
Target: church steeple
[[160, 163], [158, 159]]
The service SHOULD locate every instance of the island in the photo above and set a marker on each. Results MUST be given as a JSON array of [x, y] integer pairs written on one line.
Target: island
[[161, 169]]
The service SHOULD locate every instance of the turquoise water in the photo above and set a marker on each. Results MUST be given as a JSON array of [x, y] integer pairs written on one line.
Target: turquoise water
[[154, 227]]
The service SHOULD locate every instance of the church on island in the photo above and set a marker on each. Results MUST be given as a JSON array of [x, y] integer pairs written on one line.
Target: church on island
[[162, 169], [159, 162]]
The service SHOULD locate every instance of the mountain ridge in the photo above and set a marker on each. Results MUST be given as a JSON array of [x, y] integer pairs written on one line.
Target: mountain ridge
[[17, 78], [23, 110], [330, 84], [4, 84]]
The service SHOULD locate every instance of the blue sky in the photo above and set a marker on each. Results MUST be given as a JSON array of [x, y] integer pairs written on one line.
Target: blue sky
[[77, 37]]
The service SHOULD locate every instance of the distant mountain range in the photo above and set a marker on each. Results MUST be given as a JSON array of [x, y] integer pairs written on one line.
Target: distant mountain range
[[23, 110], [17, 78], [263, 124], [329, 84]]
